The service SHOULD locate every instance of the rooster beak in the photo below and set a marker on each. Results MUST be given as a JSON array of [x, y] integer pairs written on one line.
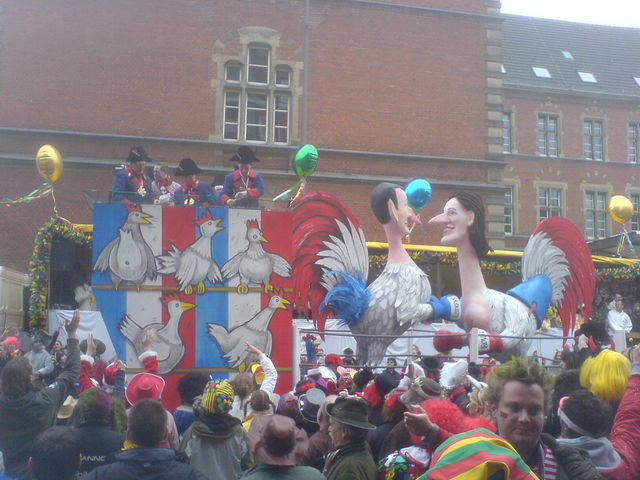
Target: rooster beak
[[283, 303], [218, 227], [263, 239], [187, 306], [143, 218]]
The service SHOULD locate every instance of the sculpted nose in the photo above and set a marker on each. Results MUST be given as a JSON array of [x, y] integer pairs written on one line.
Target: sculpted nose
[[438, 219]]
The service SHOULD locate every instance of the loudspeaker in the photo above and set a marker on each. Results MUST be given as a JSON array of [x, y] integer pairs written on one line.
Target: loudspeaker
[[63, 255]]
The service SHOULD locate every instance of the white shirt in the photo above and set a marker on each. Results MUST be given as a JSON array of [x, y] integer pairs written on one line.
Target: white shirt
[[618, 321]]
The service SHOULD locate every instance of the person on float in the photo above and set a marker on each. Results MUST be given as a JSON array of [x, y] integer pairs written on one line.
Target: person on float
[[131, 184], [244, 186], [163, 186], [192, 191]]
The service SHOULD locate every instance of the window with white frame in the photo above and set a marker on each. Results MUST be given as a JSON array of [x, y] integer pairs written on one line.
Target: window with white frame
[[593, 140], [635, 219], [508, 211], [257, 98], [506, 132], [595, 215], [549, 202], [633, 145], [547, 135]]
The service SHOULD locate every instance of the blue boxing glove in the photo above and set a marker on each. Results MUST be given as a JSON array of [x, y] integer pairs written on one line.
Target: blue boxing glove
[[448, 308]]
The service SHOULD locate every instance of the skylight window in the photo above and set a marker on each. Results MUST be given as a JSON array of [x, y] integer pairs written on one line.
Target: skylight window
[[587, 77], [567, 54], [541, 72], [637, 79]]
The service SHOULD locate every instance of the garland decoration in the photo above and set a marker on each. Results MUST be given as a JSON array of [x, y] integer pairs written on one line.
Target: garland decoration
[[39, 265]]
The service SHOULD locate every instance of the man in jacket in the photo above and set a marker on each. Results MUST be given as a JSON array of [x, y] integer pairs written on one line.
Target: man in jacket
[[26, 412], [132, 184], [244, 186], [348, 426], [145, 455]]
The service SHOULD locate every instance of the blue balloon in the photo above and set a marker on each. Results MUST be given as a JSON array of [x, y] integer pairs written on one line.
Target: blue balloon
[[418, 193]]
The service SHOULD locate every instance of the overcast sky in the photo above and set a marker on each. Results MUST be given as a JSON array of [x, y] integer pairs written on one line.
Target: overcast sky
[[621, 13]]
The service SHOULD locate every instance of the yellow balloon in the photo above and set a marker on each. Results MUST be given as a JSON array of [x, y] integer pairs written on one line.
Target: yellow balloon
[[49, 163], [620, 208]]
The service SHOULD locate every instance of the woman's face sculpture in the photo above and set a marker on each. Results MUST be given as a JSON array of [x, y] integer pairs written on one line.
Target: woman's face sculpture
[[455, 221]]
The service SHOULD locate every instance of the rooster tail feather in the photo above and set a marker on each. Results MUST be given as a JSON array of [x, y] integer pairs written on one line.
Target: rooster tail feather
[[558, 250], [349, 298]]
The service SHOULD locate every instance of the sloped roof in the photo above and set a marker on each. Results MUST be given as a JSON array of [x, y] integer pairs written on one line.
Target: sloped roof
[[611, 54]]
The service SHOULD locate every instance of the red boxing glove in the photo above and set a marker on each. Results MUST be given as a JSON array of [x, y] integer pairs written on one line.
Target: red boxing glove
[[445, 341]]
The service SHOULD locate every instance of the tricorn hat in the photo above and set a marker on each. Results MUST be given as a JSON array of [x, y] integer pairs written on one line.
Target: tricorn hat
[[137, 154], [351, 411], [244, 155], [188, 167], [275, 440]]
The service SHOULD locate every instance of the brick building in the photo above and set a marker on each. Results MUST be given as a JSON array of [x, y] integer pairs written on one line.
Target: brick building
[[387, 90], [393, 90], [571, 95]]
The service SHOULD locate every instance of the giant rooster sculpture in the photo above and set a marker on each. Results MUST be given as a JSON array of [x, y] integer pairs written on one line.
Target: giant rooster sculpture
[[194, 264], [331, 265], [128, 257], [557, 269]]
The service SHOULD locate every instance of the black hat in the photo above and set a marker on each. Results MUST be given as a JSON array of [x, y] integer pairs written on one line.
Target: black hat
[[100, 346], [351, 411], [310, 403], [188, 167], [385, 382], [137, 154], [430, 363], [244, 155]]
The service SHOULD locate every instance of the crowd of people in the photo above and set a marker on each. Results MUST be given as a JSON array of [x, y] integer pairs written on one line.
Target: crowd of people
[[241, 188], [431, 418]]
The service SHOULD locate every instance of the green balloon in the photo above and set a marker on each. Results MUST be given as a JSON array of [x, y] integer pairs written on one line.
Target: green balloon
[[305, 161]]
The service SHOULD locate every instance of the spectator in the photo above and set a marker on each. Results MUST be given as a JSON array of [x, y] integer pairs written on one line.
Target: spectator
[[391, 368], [189, 387], [26, 412], [245, 383], [347, 356], [216, 443], [618, 320], [244, 186], [330, 368], [310, 405], [278, 448], [144, 456], [392, 413], [259, 405], [518, 396], [348, 426], [100, 424], [163, 186], [39, 358], [131, 184], [320, 442], [55, 455]]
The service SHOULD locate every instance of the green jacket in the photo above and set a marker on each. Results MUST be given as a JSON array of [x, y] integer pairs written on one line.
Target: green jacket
[[23, 418], [351, 462]]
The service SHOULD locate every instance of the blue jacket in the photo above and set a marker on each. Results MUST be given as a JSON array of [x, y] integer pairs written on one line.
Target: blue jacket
[[200, 195], [233, 184], [124, 188]]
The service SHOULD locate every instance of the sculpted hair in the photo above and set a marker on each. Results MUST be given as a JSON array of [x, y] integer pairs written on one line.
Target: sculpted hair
[[523, 370], [379, 200], [473, 202], [55, 454], [147, 422], [16, 377], [606, 375]]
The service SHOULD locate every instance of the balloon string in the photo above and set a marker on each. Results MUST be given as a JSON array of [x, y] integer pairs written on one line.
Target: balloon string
[[301, 187], [55, 206], [286, 192], [40, 192]]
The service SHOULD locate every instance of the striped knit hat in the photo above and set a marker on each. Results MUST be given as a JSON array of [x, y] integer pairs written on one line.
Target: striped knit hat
[[478, 455], [217, 397]]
